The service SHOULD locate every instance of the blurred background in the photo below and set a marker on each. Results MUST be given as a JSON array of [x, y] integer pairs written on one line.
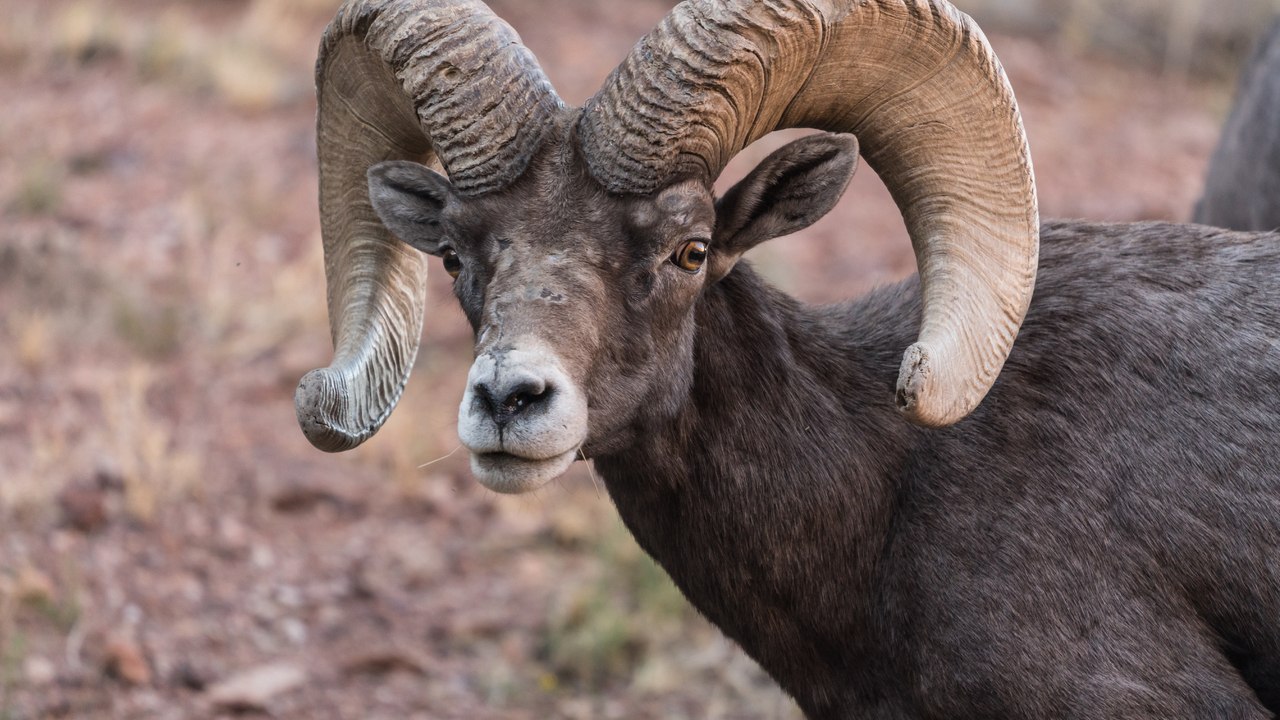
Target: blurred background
[[170, 545]]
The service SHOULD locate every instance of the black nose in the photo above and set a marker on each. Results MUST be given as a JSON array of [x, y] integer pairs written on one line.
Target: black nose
[[507, 398]]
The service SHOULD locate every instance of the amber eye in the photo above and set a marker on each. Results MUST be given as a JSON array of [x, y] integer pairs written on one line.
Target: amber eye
[[452, 263], [691, 255]]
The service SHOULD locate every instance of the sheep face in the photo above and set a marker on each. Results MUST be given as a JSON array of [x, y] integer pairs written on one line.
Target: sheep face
[[582, 301]]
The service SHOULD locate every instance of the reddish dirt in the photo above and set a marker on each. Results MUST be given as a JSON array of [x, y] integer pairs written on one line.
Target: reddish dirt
[[163, 525]]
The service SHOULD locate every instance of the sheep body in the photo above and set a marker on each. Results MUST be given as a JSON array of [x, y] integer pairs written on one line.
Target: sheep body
[[1098, 539]]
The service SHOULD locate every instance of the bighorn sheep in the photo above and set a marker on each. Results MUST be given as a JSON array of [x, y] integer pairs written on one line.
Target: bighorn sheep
[[1097, 538], [1242, 191]]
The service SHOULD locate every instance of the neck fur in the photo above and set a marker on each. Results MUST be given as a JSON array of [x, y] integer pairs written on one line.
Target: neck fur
[[769, 497]]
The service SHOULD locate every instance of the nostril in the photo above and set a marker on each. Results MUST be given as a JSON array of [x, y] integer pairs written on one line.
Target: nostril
[[514, 400], [521, 399]]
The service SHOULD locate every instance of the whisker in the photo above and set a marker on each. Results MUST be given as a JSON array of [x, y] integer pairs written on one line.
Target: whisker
[[590, 471], [443, 457]]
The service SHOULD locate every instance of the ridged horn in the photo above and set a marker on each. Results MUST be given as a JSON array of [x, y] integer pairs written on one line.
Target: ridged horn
[[425, 80], [919, 85]]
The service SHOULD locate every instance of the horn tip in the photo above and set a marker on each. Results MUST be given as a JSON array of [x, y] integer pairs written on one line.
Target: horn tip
[[318, 402], [919, 399]]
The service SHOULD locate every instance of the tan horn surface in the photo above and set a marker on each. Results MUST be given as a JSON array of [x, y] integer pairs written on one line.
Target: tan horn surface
[[919, 85]]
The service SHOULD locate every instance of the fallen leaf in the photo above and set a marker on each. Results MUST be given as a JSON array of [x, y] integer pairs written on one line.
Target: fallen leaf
[[33, 586], [124, 660], [39, 671], [83, 507], [382, 661], [253, 689]]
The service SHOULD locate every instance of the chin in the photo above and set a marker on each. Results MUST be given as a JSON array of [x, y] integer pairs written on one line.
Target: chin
[[512, 474]]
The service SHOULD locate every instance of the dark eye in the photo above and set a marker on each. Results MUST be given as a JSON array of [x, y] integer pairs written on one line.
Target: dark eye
[[691, 255], [452, 263]]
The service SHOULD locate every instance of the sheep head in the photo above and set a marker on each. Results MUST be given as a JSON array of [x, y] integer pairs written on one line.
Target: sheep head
[[565, 225]]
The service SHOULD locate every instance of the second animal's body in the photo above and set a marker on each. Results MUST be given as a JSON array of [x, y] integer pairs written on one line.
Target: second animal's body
[[1243, 187]]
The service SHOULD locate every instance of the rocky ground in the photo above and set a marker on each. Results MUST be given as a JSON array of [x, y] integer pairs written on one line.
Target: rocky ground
[[171, 547]]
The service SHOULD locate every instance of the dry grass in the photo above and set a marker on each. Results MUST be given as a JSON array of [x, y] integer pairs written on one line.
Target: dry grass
[[111, 327], [32, 485], [32, 340], [154, 465], [1178, 37], [40, 189], [37, 605], [249, 62]]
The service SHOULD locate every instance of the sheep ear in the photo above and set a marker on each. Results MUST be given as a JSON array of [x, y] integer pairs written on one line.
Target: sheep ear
[[788, 191], [409, 198]]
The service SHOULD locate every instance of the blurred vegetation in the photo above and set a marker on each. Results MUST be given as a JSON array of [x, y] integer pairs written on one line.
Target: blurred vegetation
[[1200, 37], [40, 189], [603, 627], [248, 66]]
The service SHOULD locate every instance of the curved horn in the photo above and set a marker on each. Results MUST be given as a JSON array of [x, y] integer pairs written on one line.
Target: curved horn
[[403, 79], [918, 84]]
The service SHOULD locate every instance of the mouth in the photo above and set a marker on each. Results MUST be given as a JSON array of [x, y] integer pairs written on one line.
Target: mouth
[[511, 474]]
